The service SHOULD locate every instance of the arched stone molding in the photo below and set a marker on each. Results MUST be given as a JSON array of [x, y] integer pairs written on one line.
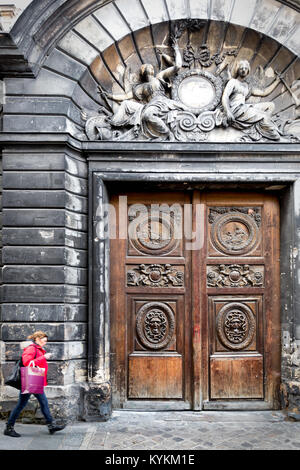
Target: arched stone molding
[[94, 53], [69, 41], [45, 22]]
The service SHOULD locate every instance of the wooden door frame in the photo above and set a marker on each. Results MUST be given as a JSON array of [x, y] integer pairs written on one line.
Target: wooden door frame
[[99, 354]]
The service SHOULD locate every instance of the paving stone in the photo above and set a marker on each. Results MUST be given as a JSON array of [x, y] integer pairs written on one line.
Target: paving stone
[[165, 431]]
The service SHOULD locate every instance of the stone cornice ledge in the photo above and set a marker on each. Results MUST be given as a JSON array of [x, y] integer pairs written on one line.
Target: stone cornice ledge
[[184, 147], [8, 139]]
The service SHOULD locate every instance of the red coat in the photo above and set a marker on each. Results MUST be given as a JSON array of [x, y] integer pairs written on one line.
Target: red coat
[[29, 355]]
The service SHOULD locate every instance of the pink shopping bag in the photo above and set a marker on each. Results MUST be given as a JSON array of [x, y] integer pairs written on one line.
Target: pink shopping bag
[[32, 379]]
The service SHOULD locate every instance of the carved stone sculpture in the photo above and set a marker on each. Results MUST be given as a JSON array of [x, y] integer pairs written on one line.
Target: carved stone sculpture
[[239, 114], [146, 105], [184, 102]]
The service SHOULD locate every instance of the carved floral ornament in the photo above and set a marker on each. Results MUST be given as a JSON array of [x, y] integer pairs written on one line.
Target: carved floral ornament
[[184, 101], [155, 275], [235, 275]]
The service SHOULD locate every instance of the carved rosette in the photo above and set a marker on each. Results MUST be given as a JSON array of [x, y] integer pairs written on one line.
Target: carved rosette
[[155, 325], [235, 275], [155, 275], [233, 231], [236, 326]]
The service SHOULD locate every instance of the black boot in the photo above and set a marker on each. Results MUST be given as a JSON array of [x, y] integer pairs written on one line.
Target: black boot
[[9, 431], [55, 427]]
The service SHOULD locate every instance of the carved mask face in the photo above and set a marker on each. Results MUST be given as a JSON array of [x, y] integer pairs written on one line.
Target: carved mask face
[[155, 324], [235, 326]]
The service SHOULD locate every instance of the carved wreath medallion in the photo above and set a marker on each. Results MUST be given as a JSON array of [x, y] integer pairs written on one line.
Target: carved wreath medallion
[[236, 326], [155, 325], [234, 232], [198, 90], [150, 233]]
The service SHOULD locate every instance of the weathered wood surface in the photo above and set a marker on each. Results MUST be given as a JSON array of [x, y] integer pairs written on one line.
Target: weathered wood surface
[[232, 315]]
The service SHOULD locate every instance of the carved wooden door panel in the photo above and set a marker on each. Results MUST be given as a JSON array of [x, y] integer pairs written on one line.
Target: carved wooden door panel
[[150, 304], [196, 329], [240, 301]]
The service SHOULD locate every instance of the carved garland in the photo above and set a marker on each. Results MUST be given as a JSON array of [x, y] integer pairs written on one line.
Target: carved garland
[[254, 212], [235, 275], [155, 275]]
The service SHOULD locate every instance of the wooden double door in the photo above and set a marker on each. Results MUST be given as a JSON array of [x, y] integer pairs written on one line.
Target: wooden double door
[[195, 320]]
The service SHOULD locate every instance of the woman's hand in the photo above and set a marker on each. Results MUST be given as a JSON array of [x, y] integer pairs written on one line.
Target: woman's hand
[[47, 356]]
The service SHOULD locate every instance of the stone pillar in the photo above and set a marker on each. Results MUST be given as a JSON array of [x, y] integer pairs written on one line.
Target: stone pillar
[[290, 293], [97, 401], [45, 267]]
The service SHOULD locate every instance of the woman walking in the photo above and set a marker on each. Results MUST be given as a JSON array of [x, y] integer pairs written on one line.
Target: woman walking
[[33, 352]]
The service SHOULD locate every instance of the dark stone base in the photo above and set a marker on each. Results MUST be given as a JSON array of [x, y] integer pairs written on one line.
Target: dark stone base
[[78, 402], [290, 399], [96, 402]]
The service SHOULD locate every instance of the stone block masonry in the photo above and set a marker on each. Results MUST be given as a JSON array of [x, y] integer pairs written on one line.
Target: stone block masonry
[[45, 266]]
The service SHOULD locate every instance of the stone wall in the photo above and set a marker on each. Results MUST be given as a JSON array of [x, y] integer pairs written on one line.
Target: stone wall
[[45, 261]]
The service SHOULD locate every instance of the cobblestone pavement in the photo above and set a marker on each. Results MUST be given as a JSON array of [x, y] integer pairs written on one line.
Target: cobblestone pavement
[[130, 430]]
